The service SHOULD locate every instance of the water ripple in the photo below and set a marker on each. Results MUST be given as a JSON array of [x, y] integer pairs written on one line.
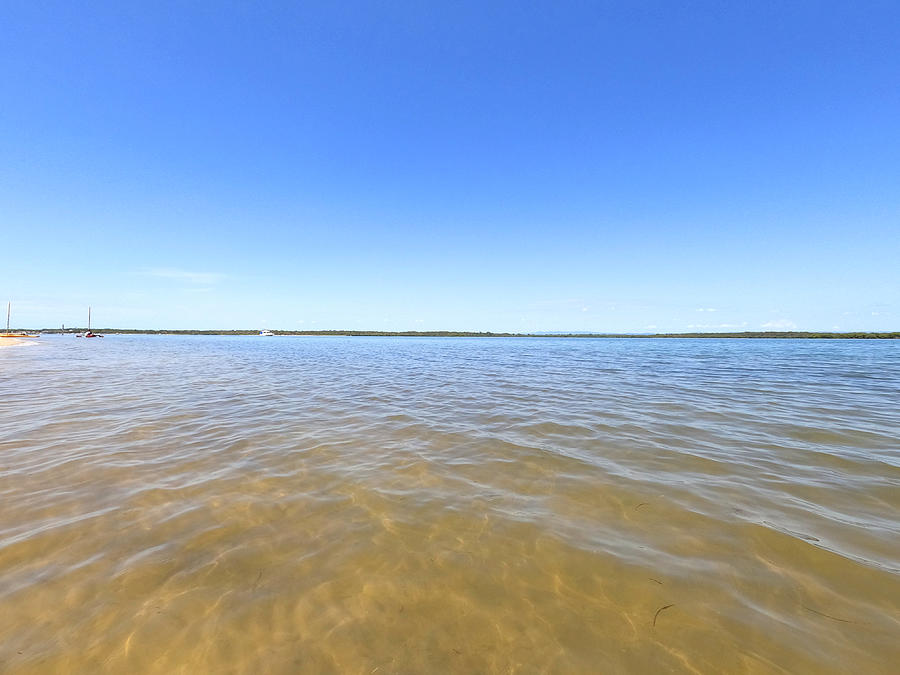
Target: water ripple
[[178, 504]]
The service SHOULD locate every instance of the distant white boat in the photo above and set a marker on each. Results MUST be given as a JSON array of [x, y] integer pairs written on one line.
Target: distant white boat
[[266, 333]]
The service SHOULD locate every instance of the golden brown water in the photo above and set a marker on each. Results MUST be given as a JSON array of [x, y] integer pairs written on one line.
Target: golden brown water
[[357, 505]]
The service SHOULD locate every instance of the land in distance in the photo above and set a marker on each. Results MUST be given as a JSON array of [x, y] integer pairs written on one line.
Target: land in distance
[[440, 333]]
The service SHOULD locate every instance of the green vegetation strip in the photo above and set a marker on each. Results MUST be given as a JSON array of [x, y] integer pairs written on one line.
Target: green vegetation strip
[[441, 333]]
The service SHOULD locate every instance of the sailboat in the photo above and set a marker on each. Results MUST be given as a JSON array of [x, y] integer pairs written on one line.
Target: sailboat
[[13, 335], [88, 333]]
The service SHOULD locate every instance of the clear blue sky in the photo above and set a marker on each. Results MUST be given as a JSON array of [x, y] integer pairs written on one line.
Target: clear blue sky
[[521, 166]]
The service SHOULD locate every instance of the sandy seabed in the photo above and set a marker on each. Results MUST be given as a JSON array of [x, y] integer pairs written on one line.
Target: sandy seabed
[[12, 342], [391, 505]]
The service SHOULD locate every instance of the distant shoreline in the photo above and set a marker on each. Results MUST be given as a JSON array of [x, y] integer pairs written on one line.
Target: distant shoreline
[[369, 333]]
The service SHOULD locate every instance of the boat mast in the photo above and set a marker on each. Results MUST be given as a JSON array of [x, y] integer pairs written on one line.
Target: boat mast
[[7, 315], [89, 318]]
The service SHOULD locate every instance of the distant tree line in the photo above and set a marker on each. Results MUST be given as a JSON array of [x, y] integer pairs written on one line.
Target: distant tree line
[[444, 333]]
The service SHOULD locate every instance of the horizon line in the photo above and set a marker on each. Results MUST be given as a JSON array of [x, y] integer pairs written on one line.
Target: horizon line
[[462, 333]]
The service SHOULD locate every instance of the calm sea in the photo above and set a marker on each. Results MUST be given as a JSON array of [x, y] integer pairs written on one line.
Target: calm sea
[[414, 505]]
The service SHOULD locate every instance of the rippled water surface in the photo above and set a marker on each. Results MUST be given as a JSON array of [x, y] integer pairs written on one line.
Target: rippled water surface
[[406, 505]]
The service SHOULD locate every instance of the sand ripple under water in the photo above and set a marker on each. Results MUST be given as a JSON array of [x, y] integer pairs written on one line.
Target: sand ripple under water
[[398, 505]]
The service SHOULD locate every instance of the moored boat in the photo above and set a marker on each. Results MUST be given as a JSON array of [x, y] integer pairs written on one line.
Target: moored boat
[[7, 334], [88, 333]]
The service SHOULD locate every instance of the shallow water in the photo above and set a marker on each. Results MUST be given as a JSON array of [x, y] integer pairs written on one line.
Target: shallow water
[[406, 505]]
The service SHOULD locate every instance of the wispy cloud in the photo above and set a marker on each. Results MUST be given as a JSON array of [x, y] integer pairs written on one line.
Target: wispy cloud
[[706, 309], [199, 278], [780, 324], [718, 325]]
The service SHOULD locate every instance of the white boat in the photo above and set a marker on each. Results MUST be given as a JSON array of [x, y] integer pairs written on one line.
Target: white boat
[[266, 333]]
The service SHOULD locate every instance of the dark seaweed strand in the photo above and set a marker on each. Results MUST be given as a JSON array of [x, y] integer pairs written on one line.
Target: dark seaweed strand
[[656, 616]]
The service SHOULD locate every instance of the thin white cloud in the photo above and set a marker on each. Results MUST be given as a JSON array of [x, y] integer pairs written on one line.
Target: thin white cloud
[[780, 324], [718, 325], [199, 278], [706, 309], [558, 302]]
